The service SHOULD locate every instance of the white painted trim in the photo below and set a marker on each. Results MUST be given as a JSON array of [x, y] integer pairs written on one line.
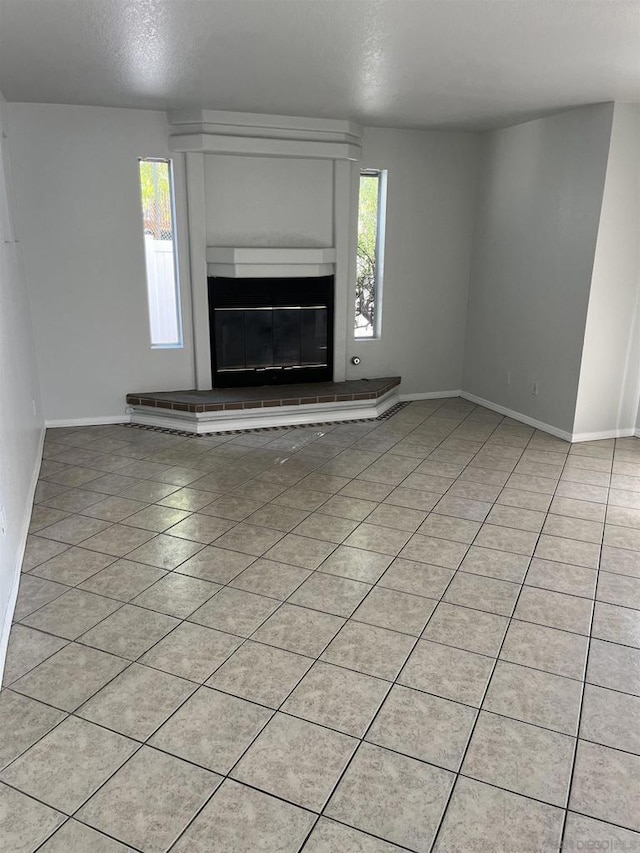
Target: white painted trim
[[429, 395], [248, 146], [197, 218], [311, 413], [99, 420], [22, 544], [599, 436], [517, 416]]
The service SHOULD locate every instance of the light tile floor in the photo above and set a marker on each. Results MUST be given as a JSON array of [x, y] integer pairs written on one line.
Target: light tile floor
[[416, 634]]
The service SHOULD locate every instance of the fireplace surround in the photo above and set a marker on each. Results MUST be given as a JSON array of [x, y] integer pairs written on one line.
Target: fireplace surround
[[270, 331]]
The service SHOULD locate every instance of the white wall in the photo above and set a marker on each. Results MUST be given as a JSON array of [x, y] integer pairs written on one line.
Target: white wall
[[78, 195], [20, 418], [608, 389], [268, 201], [537, 223], [431, 199]]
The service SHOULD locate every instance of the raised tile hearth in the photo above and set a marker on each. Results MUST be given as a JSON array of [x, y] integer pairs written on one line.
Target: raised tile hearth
[[223, 409]]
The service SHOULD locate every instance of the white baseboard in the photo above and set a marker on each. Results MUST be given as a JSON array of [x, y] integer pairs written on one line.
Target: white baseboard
[[429, 395], [599, 436], [99, 420], [518, 416], [22, 544]]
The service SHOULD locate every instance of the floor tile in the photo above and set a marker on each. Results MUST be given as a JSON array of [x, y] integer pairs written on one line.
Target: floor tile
[[463, 508], [548, 649], [266, 577], [616, 624], [296, 760], [176, 595], [191, 651], [486, 819], [190, 735], [156, 518], [298, 629], [506, 539], [383, 540], [614, 666], [69, 764], [447, 672], [39, 550], [279, 517], [34, 592], [495, 564], [337, 698], [585, 832], [74, 529], [71, 614], [534, 697], [562, 577], [448, 527], [241, 819], [611, 718], [353, 508], [300, 551], [27, 648], [117, 540], [619, 589], [35, 720], [260, 673], [464, 628], [520, 757], [518, 517], [423, 726], [137, 702], [25, 823], [326, 527], [489, 594], [249, 539], [165, 552], [215, 564], [368, 649], [555, 609], [70, 676], [398, 611], [73, 566], [416, 578], [235, 611], [129, 632], [330, 594], [437, 552], [75, 837], [122, 580], [331, 837], [620, 561], [606, 785], [356, 563], [392, 796], [573, 528], [150, 800], [411, 498], [568, 551]]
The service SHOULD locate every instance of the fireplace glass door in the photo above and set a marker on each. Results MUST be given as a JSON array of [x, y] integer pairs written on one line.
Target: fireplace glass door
[[286, 341]]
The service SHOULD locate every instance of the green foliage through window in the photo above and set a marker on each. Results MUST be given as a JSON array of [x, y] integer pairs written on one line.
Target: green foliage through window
[[368, 260]]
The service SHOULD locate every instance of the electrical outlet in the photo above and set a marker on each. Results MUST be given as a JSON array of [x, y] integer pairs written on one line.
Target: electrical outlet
[[534, 389], [3, 523], [34, 407], [508, 375]]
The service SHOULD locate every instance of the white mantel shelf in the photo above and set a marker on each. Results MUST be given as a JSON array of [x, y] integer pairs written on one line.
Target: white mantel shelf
[[255, 135], [270, 262]]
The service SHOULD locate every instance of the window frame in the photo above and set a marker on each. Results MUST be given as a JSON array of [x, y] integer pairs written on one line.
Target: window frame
[[381, 219], [179, 343]]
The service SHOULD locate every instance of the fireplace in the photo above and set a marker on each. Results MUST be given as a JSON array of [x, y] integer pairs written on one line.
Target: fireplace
[[270, 331]]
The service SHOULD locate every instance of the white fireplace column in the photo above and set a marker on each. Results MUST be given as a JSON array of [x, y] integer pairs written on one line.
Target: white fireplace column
[[197, 133]]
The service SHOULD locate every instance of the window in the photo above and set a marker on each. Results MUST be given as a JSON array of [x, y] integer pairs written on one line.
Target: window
[[158, 217], [370, 254]]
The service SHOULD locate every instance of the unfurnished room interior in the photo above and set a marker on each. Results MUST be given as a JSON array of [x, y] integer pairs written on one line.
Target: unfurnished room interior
[[319, 426]]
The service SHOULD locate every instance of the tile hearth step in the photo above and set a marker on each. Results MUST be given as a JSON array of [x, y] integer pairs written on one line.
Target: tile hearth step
[[270, 405]]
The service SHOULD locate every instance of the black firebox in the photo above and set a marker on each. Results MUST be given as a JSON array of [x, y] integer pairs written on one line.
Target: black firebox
[[268, 331]]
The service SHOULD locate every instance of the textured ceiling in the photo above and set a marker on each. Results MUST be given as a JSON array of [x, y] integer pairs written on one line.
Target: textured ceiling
[[405, 63]]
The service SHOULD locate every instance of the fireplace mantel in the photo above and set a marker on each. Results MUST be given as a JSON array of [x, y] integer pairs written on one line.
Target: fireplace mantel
[[270, 262]]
